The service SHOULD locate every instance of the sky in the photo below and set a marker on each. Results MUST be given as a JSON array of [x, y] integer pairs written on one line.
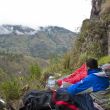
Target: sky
[[64, 13]]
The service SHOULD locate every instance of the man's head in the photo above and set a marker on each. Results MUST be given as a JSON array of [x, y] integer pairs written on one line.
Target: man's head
[[106, 68], [92, 63]]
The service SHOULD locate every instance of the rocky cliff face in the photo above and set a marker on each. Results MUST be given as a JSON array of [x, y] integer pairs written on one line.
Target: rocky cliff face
[[94, 38], [101, 12], [109, 40], [96, 8]]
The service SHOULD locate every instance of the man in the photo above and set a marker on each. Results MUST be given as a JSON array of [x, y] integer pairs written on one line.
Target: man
[[93, 82]]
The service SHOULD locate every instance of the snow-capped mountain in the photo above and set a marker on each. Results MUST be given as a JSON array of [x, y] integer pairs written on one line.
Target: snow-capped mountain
[[40, 42], [16, 29]]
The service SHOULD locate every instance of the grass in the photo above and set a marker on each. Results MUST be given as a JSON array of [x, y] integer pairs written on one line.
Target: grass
[[105, 59], [10, 89]]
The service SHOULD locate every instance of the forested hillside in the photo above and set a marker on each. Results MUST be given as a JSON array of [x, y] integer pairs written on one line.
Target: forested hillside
[[44, 42]]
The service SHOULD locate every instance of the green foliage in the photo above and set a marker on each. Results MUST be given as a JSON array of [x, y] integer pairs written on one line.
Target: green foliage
[[94, 49], [90, 41], [10, 89], [15, 63], [105, 11], [85, 27], [83, 57], [105, 16], [35, 71], [2, 74], [11, 56], [15, 74], [91, 27], [66, 60], [57, 67], [53, 68], [105, 59]]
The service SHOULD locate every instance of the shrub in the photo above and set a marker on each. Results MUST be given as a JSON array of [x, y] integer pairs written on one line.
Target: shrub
[[105, 59], [2, 75], [10, 89], [35, 71]]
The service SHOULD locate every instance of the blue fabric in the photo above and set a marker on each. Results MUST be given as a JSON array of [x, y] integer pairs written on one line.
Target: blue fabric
[[97, 83], [90, 71]]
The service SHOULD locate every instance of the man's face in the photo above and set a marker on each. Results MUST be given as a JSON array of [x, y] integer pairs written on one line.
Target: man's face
[[107, 72], [106, 68]]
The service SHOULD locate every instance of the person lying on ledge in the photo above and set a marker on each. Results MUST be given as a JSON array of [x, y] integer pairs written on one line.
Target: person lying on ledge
[[92, 82]]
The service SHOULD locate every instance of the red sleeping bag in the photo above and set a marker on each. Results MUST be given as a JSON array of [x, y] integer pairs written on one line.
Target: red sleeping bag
[[76, 76]]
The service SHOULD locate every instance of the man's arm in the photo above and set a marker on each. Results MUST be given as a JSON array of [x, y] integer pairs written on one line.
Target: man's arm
[[83, 86]]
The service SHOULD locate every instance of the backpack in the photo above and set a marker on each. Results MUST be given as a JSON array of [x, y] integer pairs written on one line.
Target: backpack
[[37, 100], [47, 100], [64, 101]]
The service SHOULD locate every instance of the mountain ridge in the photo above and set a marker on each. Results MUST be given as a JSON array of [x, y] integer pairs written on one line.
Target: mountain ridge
[[11, 28], [43, 42]]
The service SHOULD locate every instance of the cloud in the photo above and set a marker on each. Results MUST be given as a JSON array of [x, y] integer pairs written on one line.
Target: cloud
[[65, 13]]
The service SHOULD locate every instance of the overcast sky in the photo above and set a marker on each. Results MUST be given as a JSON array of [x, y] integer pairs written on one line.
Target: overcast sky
[[65, 13]]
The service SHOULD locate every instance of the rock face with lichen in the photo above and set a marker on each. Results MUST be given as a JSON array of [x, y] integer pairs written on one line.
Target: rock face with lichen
[[101, 13], [96, 8], [94, 38]]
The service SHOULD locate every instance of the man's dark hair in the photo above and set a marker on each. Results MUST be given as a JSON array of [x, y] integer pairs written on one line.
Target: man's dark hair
[[92, 63]]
